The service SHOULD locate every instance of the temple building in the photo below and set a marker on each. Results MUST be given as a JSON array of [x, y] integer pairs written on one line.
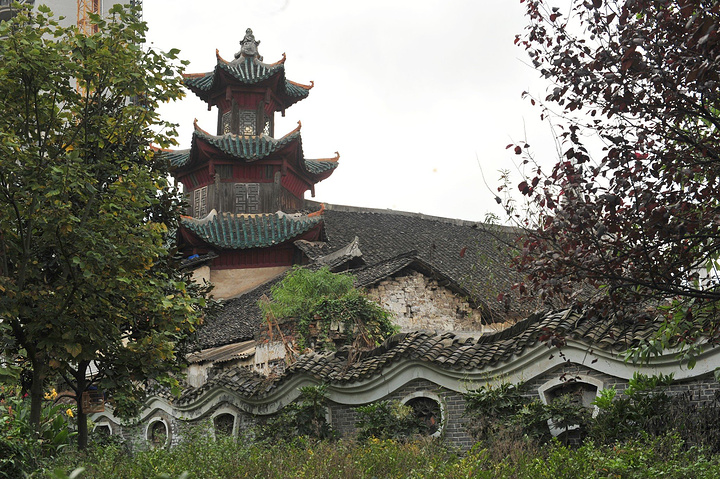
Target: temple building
[[248, 222], [244, 186]]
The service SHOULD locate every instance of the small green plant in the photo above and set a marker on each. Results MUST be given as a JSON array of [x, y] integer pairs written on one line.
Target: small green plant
[[492, 408], [22, 448], [388, 420], [643, 408]]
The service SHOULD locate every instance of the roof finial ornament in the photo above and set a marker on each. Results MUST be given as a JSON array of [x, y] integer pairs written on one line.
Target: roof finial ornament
[[248, 47]]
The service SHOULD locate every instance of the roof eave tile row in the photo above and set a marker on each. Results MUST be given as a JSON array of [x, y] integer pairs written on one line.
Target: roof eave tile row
[[228, 231]]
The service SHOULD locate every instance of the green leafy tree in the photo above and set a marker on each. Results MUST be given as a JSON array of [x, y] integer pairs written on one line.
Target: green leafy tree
[[88, 288]]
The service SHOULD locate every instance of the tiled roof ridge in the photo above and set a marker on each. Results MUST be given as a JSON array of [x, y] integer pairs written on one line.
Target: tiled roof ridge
[[446, 350], [439, 219], [515, 329], [266, 65], [263, 144]]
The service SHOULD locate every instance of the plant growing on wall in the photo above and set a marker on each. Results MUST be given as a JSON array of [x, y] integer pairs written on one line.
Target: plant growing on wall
[[388, 420], [323, 304], [306, 418]]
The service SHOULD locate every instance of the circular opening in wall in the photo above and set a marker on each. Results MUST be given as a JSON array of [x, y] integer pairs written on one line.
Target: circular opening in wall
[[224, 424], [157, 434], [428, 411]]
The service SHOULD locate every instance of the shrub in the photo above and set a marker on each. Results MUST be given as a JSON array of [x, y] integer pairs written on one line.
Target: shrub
[[502, 413], [22, 449], [318, 299], [388, 420], [304, 418]]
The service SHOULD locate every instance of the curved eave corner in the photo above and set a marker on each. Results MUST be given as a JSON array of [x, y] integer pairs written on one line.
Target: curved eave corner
[[176, 158], [320, 169]]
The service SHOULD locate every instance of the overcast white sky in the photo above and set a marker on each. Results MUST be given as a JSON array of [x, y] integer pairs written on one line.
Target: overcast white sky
[[408, 91]]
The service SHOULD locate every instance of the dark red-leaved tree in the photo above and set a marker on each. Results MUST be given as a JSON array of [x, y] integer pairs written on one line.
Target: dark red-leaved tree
[[635, 222]]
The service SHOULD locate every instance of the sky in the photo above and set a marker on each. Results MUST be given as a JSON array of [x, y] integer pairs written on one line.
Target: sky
[[419, 97]]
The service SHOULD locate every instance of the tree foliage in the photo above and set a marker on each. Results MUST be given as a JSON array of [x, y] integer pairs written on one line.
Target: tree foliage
[[316, 300], [636, 222], [86, 276]]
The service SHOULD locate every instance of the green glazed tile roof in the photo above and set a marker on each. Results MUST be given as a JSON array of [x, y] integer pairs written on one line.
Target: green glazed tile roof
[[230, 231], [248, 72], [247, 147], [176, 157]]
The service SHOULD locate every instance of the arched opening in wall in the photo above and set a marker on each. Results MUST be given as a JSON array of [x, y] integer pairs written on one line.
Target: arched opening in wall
[[102, 430], [577, 395], [157, 433], [428, 408], [224, 424]]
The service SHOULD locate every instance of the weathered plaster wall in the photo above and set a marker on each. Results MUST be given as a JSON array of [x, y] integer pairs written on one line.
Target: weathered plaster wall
[[233, 282], [419, 303], [201, 274]]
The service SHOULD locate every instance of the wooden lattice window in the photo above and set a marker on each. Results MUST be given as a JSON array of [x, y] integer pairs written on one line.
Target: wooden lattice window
[[201, 201], [248, 123], [226, 122], [196, 203], [247, 197], [268, 125]]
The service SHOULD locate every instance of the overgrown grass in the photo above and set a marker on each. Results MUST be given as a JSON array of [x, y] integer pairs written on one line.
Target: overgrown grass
[[227, 458]]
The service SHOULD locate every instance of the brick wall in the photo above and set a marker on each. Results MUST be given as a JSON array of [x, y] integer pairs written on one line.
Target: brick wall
[[344, 417]]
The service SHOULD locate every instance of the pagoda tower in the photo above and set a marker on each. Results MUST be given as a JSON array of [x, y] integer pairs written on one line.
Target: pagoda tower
[[244, 187]]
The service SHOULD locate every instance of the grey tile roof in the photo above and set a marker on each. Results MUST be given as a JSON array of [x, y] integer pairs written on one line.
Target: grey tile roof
[[223, 354], [467, 252], [446, 350], [237, 319], [469, 257]]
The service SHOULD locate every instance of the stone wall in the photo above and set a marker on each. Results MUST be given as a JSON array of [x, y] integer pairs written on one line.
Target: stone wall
[[419, 303]]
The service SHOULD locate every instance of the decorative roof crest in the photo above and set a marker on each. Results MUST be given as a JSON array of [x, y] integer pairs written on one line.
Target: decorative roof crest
[[248, 47]]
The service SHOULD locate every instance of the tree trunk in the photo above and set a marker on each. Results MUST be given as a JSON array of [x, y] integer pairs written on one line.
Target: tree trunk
[[36, 393], [82, 428]]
